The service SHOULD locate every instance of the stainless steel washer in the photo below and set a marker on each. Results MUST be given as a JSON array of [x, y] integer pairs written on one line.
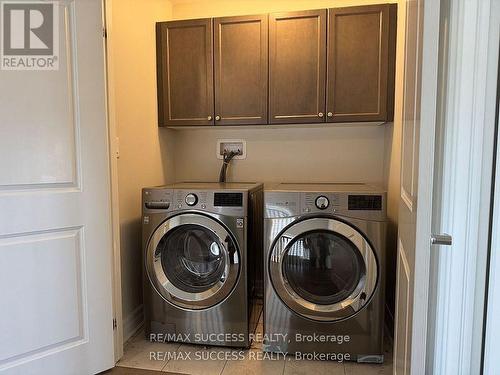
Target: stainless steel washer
[[199, 279], [324, 256]]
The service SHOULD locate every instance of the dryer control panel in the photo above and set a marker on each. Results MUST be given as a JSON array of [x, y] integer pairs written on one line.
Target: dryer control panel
[[370, 206]]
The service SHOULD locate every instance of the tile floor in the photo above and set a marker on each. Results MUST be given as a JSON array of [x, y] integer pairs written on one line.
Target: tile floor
[[139, 351]]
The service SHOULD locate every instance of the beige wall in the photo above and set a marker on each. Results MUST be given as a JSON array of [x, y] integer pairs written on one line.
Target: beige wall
[[144, 159], [355, 153], [182, 9], [319, 154], [151, 156]]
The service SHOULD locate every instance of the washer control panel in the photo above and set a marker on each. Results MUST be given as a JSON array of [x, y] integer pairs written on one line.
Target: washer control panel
[[229, 203], [184, 199]]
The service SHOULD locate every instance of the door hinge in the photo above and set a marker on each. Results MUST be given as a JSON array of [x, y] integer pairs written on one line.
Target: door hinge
[[104, 33], [114, 324]]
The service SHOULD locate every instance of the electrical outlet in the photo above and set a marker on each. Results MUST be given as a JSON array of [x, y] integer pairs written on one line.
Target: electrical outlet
[[238, 145]]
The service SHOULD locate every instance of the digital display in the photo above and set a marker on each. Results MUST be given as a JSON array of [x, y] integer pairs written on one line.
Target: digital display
[[365, 202], [228, 199]]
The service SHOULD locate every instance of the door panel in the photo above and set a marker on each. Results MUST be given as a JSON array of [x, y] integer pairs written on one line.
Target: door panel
[[55, 232], [297, 66], [241, 70], [55, 130], [409, 146], [185, 72], [402, 333], [358, 63], [62, 291]]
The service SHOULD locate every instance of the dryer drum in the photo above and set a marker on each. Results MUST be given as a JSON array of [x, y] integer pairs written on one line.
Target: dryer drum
[[323, 269]]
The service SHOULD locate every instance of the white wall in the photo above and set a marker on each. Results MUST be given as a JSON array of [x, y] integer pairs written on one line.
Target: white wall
[[145, 150]]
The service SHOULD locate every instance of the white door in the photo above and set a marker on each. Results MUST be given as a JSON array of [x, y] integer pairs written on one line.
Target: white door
[[55, 232], [417, 165]]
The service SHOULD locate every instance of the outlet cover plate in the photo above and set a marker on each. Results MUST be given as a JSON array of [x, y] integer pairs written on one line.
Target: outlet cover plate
[[231, 144]]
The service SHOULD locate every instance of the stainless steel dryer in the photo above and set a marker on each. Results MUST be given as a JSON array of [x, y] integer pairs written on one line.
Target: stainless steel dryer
[[199, 262], [324, 259]]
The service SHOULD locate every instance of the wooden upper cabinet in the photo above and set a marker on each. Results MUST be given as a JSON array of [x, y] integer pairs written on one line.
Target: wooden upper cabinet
[[185, 73], [297, 66], [240, 63], [361, 55], [222, 71]]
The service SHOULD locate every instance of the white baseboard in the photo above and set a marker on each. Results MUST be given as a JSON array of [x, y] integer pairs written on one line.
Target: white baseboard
[[132, 323]]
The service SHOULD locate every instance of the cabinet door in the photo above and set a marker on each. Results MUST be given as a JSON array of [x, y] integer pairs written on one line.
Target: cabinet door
[[297, 58], [185, 73], [240, 70], [359, 70]]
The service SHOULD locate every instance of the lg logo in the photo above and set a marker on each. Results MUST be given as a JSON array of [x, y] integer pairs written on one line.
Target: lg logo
[[29, 35]]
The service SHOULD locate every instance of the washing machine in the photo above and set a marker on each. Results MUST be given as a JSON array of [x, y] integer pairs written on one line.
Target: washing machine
[[324, 259], [201, 245]]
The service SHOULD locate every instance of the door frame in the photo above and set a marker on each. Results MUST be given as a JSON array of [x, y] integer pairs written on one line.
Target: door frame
[[113, 166], [491, 322], [483, 23], [462, 196], [492, 306]]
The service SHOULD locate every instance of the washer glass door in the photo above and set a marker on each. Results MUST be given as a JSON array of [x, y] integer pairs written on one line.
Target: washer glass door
[[192, 261], [323, 269]]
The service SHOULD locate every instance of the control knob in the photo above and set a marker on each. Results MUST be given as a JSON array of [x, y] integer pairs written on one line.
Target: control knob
[[191, 199], [322, 202]]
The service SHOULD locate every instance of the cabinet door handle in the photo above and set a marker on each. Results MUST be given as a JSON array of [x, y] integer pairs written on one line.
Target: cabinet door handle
[[217, 118], [209, 118], [329, 114], [320, 114]]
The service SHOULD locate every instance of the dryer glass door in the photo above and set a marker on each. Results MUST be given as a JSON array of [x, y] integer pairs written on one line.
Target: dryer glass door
[[323, 269], [192, 261]]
